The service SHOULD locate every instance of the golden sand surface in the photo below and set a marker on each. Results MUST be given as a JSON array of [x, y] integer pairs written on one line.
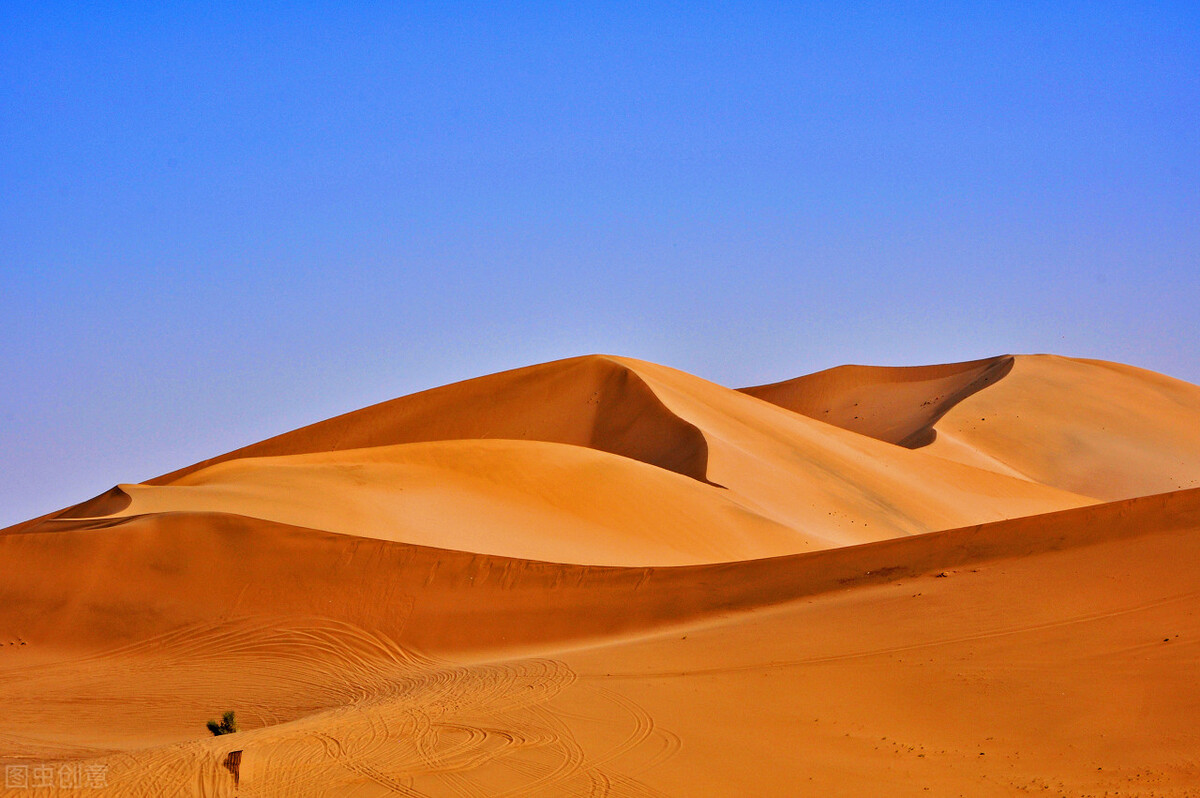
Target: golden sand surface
[[601, 576]]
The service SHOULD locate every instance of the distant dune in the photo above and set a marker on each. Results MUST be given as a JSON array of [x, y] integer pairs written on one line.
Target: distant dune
[[1086, 426], [602, 576]]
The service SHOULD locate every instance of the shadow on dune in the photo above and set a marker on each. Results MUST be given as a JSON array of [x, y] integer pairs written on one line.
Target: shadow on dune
[[110, 502], [590, 401], [990, 376], [894, 404]]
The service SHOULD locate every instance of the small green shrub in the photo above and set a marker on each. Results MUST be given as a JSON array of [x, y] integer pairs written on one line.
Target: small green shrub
[[227, 725]]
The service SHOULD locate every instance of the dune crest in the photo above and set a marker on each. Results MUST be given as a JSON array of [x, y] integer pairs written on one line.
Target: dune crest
[[591, 401], [842, 487], [1090, 427], [895, 404]]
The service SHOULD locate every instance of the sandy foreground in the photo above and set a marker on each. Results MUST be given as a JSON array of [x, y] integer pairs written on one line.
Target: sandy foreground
[[602, 576]]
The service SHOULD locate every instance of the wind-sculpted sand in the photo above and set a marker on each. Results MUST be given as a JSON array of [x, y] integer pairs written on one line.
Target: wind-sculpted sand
[[1094, 428], [606, 577]]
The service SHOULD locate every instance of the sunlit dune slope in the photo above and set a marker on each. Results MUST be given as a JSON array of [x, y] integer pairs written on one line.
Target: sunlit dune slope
[[587, 401], [1063, 672], [661, 468], [85, 581], [843, 487], [528, 499], [1093, 428], [1054, 652], [1096, 428]]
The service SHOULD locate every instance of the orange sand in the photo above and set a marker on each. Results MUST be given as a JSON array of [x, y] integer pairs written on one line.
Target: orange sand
[[606, 577]]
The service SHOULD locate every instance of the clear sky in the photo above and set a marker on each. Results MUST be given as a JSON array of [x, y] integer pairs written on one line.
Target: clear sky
[[219, 222]]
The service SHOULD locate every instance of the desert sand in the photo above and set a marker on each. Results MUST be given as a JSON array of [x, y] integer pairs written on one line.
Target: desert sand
[[602, 576]]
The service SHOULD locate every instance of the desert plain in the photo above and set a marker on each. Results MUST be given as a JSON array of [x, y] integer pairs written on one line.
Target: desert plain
[[605, 577]]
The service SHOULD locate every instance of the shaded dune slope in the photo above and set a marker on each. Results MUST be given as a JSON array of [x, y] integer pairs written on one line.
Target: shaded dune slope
[[1065, 671], [896, 404]]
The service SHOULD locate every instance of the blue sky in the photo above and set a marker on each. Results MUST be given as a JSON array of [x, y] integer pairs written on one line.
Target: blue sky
[[223, 222]]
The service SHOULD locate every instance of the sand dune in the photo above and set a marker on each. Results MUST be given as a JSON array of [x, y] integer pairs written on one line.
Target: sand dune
[[588, 401], [1093, 428], [607, 577], [782, 470], [535, 500], [595, 474], [839, 487], [894, 404], [435, 668]]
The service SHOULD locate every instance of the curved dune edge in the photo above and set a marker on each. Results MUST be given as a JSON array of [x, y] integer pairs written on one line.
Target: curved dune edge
[[148, 572], [1010, 436], [114, 501], [522, 499], [1089, 427], [360, 664], [894, 404], [593, 401], [833, 483]]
